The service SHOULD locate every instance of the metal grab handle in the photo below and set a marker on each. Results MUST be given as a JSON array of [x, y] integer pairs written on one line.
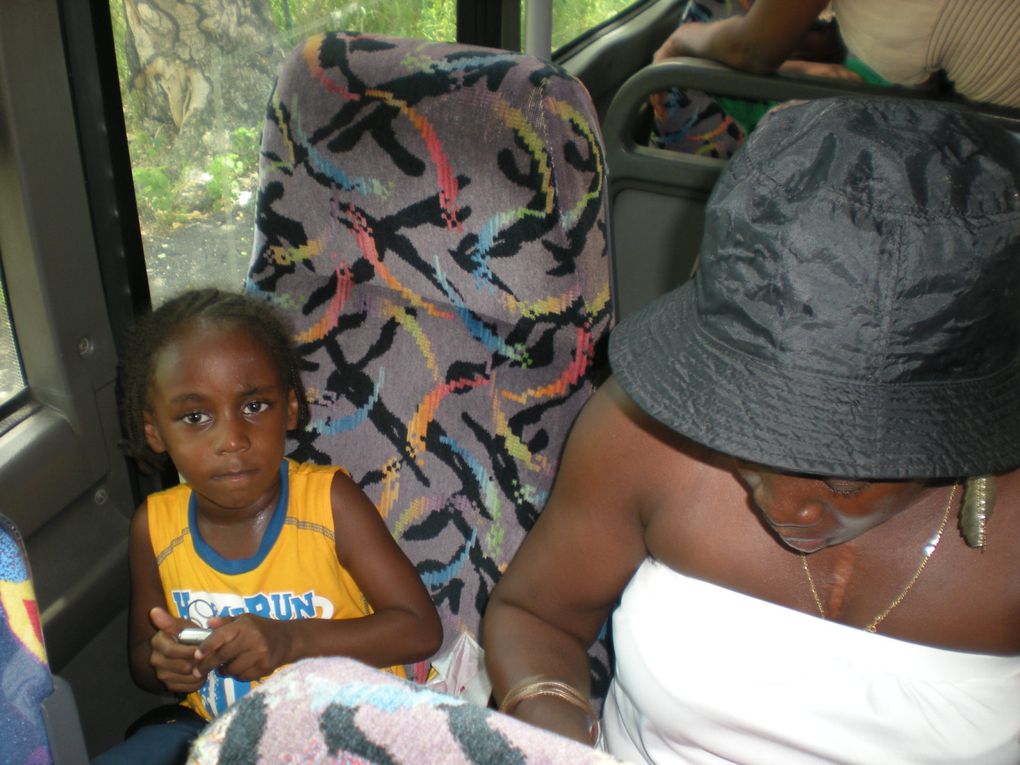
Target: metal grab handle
[[628, 159], [717, 79]]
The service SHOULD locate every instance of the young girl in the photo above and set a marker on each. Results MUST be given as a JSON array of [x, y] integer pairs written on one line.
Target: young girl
[[280, 560]]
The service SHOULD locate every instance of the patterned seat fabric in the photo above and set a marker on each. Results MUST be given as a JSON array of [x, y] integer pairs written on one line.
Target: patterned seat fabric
[[25, 680], [432, 217]]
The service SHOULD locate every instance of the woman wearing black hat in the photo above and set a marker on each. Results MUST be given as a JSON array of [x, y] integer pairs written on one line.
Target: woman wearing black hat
[[784, 495]]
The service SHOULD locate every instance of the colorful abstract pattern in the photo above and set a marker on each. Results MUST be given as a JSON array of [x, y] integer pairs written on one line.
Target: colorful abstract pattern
[[432, 217], [337, 710], [24, 672]]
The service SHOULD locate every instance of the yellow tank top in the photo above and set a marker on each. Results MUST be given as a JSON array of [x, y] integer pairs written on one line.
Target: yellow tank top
[[294, 574]]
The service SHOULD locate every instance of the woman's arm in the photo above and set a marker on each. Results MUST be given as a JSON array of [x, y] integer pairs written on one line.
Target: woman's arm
[[758, 42], [564, 581], [404, 626]]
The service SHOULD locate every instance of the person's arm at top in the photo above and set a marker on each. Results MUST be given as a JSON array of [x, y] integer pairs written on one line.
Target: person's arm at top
[[568, 574], [158, 662], [404, 626], [758, 42]]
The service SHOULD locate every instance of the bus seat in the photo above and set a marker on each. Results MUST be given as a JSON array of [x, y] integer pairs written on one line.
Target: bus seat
[[38, 717], [657, 197], [432, 219]]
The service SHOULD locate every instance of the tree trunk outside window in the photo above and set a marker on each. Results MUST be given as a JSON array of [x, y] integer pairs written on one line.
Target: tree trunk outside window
[[201, 65]]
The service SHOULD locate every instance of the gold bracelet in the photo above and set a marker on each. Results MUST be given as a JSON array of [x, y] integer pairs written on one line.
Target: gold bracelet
[[541, 685]]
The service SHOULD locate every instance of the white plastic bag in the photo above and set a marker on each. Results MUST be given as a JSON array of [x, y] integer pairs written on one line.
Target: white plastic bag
[[461, 672]]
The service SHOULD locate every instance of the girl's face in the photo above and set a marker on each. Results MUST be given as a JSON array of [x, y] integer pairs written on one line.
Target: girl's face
[[808, 513], [218, 406]]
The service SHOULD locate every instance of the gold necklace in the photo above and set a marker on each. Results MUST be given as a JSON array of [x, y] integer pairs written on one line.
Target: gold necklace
[[928, 552]]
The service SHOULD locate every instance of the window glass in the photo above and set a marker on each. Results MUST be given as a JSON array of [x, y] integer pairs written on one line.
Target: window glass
[[195, 79], [12, 380], [572, 18]]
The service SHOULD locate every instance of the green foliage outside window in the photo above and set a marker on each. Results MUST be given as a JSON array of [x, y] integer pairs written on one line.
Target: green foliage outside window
[[572, 18], [178, 180]]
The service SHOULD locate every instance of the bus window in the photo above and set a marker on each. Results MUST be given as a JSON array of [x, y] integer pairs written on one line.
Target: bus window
[[571, 19], [12, 380], [194, 87]]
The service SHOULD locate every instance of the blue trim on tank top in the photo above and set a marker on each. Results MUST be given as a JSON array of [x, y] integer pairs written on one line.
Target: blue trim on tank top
[[242, 565]]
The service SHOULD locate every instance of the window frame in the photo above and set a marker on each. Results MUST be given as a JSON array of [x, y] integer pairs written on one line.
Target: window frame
[[62, 479], [13, 401]]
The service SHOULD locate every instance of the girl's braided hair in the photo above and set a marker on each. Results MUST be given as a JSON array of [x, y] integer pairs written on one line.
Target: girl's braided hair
[[152, 333]]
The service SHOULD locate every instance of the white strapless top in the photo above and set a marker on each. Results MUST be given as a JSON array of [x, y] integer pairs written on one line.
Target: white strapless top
[[708, 675]]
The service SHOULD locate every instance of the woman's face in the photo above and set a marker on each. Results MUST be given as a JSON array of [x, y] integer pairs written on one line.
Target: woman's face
[[809, 513]]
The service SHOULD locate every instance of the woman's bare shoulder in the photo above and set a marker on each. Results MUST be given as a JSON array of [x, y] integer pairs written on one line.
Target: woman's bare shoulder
[[635, 442]]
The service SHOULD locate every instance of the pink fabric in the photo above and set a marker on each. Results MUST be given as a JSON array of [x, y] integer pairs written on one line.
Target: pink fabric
[[338, 710]]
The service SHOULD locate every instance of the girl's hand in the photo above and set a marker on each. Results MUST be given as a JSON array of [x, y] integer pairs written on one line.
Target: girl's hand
[[246, 647], [175, 664]]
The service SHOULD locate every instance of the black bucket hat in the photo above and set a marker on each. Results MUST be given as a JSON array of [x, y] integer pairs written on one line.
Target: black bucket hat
[[856, 311]]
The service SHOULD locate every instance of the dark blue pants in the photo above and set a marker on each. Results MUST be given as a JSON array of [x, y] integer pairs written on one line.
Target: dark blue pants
[[161, 742]]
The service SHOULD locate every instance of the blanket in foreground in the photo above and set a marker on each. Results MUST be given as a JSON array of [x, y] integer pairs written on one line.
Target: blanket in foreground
[[338, 710]]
